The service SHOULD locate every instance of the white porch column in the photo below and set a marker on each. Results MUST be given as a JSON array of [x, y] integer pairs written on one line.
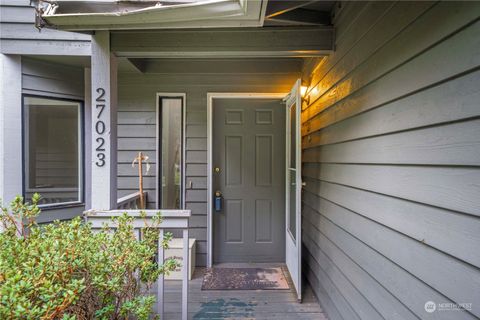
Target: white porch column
[[104, 123], [87, 105], [10, 127]]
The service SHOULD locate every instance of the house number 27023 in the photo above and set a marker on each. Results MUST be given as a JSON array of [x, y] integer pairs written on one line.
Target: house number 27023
[[100, 128]]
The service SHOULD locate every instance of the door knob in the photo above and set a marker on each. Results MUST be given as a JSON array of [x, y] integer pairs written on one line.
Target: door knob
[[216, 170]]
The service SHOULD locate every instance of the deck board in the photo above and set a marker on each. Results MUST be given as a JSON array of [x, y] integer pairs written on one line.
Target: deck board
[[239, 304]]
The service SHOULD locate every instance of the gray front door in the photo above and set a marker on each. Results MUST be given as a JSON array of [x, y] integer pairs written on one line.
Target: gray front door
[[249, 171]]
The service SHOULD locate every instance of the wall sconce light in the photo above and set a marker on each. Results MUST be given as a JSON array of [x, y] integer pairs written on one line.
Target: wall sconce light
[[303, 91]]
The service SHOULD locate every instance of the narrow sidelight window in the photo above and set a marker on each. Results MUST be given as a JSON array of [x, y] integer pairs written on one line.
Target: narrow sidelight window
[[52, 150], [171, 155]]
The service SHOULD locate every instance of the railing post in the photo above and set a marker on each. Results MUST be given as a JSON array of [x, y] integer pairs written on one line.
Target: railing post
[[160, 284], [172, 220], [185, 273]]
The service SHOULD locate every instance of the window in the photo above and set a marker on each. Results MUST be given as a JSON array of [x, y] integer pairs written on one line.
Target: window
[[52, 150], [170, 159]]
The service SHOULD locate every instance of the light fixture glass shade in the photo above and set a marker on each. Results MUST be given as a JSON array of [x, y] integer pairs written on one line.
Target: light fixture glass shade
[[303, 90]]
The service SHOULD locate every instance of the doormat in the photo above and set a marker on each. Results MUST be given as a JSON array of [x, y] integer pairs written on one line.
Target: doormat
[[244, 279]]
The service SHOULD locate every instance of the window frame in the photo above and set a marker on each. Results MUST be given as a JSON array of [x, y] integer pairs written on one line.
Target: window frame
[[158, 184], [81, 150]]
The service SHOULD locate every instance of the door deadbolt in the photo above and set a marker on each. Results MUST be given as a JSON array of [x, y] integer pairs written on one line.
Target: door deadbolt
[[217, 169]]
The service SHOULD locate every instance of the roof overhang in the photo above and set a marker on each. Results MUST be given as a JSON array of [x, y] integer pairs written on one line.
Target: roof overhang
[[88, 15]]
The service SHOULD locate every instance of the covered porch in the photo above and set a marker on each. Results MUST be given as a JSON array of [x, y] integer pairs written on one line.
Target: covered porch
[[390, 136], [131, 73], [139, 80]]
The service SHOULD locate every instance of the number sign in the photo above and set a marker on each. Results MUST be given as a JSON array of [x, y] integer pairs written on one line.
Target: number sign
[[100, 128]]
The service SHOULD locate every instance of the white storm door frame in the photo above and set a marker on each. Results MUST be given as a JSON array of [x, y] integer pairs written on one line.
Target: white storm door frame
[[293, 240]]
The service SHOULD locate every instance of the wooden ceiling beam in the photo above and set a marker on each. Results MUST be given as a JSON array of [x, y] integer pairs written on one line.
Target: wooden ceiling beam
[[218, 66], [225, 43]]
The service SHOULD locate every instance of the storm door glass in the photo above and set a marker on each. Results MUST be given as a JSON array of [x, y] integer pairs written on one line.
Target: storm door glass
[[52, 150], [292, 172]]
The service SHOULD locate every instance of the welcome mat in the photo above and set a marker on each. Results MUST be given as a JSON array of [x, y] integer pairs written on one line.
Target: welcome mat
[[244, 279]]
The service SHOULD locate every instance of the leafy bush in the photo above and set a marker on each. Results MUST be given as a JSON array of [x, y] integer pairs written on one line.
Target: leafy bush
[[64, 270]]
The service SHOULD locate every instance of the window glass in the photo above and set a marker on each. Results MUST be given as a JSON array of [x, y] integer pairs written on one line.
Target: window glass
[[292, 172], [293, 136], [292, 213], [171, 156], [52, 150]]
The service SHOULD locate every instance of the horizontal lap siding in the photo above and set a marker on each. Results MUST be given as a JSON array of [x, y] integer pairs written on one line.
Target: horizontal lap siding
[[137, 131], [51, 79], [19, 35], [391, 156]]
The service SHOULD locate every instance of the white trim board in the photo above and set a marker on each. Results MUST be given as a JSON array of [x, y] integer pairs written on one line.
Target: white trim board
[[184, 141], [11, 148], [204, 14], [210, 97]]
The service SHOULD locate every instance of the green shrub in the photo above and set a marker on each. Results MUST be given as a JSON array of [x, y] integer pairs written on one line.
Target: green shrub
[[64, 270]]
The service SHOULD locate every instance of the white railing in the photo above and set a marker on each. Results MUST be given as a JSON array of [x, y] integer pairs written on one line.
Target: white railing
[[172, 219], [131, 201]]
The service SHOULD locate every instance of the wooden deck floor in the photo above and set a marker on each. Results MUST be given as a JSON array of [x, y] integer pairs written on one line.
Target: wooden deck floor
[[239, 304]]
